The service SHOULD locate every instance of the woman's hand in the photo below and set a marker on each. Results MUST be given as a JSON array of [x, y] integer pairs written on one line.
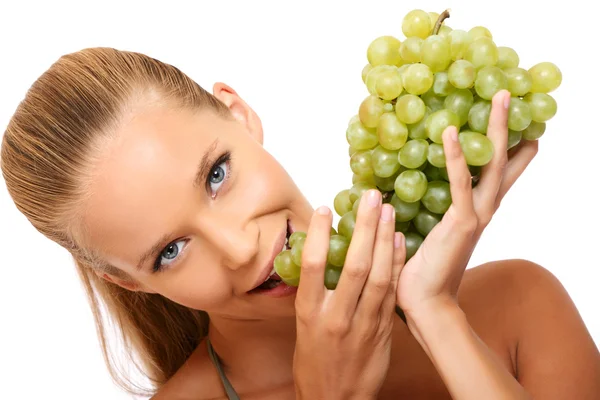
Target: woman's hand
[[433, 275], [344, 335]]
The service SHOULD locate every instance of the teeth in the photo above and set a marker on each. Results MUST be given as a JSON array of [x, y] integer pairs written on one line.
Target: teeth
[[271, 274], [284, 247]]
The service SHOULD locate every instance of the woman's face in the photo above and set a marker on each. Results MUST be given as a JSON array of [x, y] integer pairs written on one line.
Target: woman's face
[[192, 207]]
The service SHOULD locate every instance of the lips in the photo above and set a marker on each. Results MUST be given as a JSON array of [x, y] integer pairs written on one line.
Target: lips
[[269, 279]]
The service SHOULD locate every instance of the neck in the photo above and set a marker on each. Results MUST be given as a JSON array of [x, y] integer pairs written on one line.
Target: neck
[[265, 347]]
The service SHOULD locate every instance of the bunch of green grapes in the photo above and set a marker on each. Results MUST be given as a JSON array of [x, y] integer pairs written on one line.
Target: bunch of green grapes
[[436, 77]]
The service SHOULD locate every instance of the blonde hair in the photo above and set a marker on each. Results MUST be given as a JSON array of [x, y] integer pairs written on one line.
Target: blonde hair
[[46, 151]]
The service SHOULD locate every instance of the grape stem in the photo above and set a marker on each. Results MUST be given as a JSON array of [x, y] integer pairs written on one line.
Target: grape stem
[[440, 21]]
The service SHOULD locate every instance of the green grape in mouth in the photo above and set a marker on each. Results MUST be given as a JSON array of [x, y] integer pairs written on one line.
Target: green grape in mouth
[[415, 87]]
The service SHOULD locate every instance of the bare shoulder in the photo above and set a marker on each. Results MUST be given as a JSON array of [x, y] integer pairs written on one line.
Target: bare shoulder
[[197, 379], [522, 307]]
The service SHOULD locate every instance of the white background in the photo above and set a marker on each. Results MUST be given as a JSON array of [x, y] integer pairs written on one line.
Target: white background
[[299, 65]]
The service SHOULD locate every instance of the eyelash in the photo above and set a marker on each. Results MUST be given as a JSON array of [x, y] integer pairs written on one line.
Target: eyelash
[[225, 158]]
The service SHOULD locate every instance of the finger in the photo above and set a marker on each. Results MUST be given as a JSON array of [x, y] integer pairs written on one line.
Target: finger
[[380, 276], [399, 258], [516, 165], [314, 257], [458, 174], [491, 174], [359, 257]]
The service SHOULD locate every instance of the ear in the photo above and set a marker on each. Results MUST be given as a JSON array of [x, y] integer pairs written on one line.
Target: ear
[[241, 111], [128, 284]]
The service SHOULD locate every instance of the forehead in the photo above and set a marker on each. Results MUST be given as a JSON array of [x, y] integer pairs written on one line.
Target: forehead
[[143, 177]]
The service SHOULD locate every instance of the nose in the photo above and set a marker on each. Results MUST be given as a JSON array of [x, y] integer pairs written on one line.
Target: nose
[[237, 243]]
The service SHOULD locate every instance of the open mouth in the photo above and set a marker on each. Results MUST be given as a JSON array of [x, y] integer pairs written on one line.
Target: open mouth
[[274, 281]]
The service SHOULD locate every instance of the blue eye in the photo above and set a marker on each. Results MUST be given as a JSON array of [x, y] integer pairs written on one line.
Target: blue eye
[[168, 255], [217, 176]]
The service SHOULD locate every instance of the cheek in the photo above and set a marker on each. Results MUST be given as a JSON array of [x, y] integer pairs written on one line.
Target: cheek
[[196, 288]]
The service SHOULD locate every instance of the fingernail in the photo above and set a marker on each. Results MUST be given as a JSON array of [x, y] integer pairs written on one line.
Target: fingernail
[[323, 210], [387, 214], [506, 99], [397, 239], [453, 134], [374, 196]]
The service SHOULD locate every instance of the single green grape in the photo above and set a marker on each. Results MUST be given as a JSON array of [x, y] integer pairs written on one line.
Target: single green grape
[[370, 110], [482, 52], [519, 81], [384, 162], [355, 118], [545, 77], [360, 137], [433, 17], [338, 248], [369, 180], [507, 58], [416, 23], [441, 84], [410, 109], [332, 276], [417, 130], [297, 249], [460, 102], [477, 148], [437, 198], [410, 186], [459, 43], [365, 71], [405, 211], [425, 221], [414, 153], [295, 237], [432, 101], [519, 114], [373, 76], [361, 163], [341, 202], [346, 225], [490, 80], [358, 189], [410, 50], [285, 266], [389, 84], [435, 53], [479, 116], [462, 74], [417, 79], [534, 131], [478, 32], [412, 242], [436, 155], [542, 106], [514, 138], [384, 50], [438, 121], [391, 132]]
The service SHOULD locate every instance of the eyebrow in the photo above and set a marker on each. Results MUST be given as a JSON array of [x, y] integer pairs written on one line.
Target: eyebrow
[[199, 178]]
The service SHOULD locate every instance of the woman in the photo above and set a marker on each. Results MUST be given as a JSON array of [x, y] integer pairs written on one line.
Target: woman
[[173, 212]]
